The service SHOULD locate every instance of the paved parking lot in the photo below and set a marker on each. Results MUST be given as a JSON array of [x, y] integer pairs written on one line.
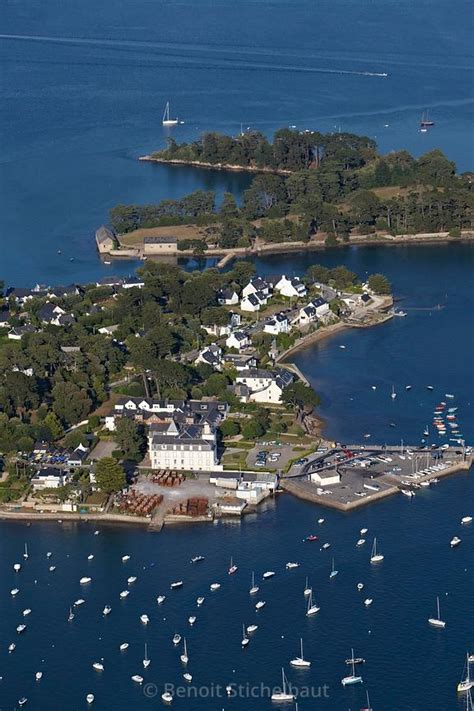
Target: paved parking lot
[[284, 450]]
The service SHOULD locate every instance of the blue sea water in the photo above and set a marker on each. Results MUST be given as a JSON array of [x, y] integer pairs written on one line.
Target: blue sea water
[[82, 95], [430, 346], [84, 86], [409, 665]]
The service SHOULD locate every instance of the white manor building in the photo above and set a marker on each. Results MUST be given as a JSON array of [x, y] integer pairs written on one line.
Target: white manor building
[[183, 447]]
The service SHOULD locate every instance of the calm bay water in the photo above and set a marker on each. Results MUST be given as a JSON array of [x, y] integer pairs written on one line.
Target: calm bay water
[[84, 86], [410, 666], [83, 93], [430, 346]]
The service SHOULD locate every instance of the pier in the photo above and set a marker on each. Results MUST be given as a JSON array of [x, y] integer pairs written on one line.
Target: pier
[[347, 477]]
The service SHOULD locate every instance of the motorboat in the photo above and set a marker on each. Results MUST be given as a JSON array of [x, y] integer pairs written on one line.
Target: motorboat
[[215, 586], [368, 601], [107, 610], [14, 591], [98, 666], [131, 579], [90, 557], [160, 599], [26, 612], [197, 559], [124, 646], [360, 586], [137, 679], [17, 567], [355, 660], [311, 538], [260, 604], [176, 638], [22, 701], [11, 647], [320, 520], [300, 662], [166, 697], [252, 628], [363, 531], [177, 584], [192, 619], [79, 602], [268, 574], [144, 619], [455, 541], [125, 558], [187, 677], [21, 628], [90, 698], [38, 676], [290, 566], [466, 519], [325, 546], [124, 594], [85, 580]]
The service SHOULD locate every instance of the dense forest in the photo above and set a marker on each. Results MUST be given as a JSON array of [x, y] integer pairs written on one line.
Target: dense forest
[[332, 183]]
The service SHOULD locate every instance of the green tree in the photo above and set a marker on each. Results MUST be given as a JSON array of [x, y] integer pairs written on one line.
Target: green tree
[[230, 428], [252, 429], [299, 396], [54, 425], [109, 475], [130, 437], [379, 284], [70, 402]]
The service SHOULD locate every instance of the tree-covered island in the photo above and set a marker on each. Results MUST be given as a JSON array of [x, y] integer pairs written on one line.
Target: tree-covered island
[[331, 186]]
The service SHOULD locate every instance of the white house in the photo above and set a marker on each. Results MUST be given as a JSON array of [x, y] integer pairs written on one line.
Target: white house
[[183, 447], [239, 361], [49, 478], [254, 302], [227, 297], [325, 478], [256, 284], [263, 385], [291, 287], [238, 339], [277, 324], [318, 308], [212, 355]]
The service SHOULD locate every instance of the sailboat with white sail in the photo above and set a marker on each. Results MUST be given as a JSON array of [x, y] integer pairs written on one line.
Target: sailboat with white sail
[[184, 657], [375, 557], [333, 572], [352, 678], [146, 659], [254, 589], [311, 609], [467, 683], [283, 694], [167, 121], [300, 662], [437, 621]]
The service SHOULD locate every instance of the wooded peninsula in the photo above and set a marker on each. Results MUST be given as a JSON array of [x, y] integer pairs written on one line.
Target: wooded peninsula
[[336, 185]]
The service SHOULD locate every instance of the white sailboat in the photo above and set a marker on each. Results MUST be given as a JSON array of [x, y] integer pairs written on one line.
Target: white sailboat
[[146, 660], [437, 621], [25, 554], [307, 589], [467, 683], [300, 662], [254, 589], [352, 678], [375, 557], [283, 694], [333, 572], [184, 657], [232, 567], [245, 639], [311, 609], [167, 121], [71, 615], [394, 394]]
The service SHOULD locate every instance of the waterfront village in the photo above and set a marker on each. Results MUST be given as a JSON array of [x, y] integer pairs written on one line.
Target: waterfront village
[[167, 396]]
